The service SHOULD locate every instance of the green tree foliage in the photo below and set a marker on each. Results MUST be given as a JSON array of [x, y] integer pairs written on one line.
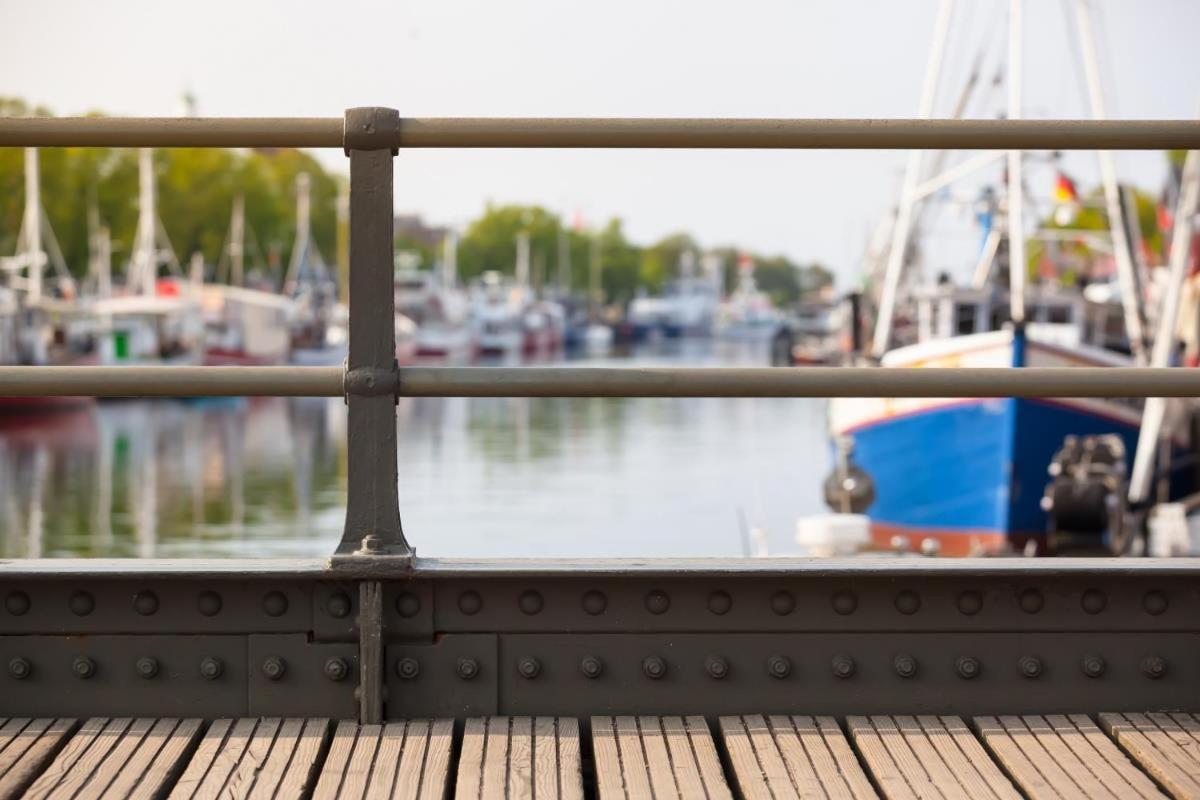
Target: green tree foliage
[[1073, 259], [196, 188]]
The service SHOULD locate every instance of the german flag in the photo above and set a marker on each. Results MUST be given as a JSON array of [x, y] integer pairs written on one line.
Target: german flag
[[1064, 189]]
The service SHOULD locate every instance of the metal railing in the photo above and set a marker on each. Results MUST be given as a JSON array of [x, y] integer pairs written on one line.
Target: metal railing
[[371, 381]]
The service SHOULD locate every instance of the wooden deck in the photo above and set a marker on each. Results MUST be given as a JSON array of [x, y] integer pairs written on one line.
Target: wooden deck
[[1129, 755]]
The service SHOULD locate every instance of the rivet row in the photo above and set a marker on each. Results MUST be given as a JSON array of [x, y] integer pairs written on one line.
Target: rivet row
[[210, 668], [146, 603]]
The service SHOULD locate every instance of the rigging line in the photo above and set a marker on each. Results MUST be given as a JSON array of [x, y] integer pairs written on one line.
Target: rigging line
[[1072, 36]]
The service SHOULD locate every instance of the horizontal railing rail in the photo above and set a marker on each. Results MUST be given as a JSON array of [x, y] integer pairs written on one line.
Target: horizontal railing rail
[[1032, 382], [487, 132]]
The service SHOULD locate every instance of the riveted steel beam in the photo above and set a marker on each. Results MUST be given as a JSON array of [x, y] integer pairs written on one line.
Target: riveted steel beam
[[590, 132]]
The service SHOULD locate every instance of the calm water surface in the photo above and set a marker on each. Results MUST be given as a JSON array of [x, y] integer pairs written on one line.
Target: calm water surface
[[478, 477]]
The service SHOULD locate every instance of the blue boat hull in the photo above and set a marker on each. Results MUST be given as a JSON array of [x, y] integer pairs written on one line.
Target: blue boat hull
[[971, 475]]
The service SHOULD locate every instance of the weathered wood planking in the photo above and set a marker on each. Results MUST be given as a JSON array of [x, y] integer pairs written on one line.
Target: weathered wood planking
[[520, 757], [26, 746], [259, 758], [1167, 746], [656, 757], [792, 757], [928, 756], [408, 759]]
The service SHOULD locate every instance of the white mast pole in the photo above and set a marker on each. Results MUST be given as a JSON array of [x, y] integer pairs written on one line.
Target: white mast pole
[[303, 233], [912, 175], [450, 259], [1164, 340], [237, 241], [145, 253], [522, 269], [1126, 270], [34, 256], [1016, 222]]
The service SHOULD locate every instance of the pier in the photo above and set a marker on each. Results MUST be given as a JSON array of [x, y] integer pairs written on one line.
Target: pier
[[377, 673]]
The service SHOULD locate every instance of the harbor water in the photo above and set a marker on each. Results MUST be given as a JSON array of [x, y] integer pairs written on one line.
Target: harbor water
[[478, 477]]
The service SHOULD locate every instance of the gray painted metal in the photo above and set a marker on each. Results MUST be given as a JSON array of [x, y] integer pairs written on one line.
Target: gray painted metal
[[372, 501], [376, 381], [895, 134]]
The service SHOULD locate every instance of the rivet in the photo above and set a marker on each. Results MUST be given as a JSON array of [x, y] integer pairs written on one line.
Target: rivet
[[1031, 601], [211, 668], [83, 667], [408, 605], [467, 669], [908, 602], [17, 603], [146, 667], [529, 668], [82, 604], [338, 605], [1093, 666], [657, 602], [779, 667], [968, 667], [1093, 601], [209, 603], [1154, 667], [274, 668], [720, 602], [20, 668], [408, 668], [1030, 666], [594, 602], [591, 667], [336, 669], [783, 603], [843, 666], [905, 665], [531, 602], [470, 603], [654, 667], [1154, 602], [145, 603], [845, 602], [970, 603], [716, 667], [275, 604]]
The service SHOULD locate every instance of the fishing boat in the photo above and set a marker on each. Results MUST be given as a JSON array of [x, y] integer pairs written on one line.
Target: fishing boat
[[318, 330], [438, 307], [497, 312], [748, 313]]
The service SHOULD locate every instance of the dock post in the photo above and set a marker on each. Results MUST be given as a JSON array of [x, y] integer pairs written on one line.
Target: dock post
[[373, 528]]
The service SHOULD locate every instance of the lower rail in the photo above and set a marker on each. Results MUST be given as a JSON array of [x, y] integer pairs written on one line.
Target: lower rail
[[599, 382]]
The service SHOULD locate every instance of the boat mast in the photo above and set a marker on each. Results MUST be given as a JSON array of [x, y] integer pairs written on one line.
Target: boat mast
[[144, 264], [450, 259], [1127, 275], [1016, 198], [912, 174], [303, 230], [1154, 413], [34, 256], [237, 241], [522, 268]]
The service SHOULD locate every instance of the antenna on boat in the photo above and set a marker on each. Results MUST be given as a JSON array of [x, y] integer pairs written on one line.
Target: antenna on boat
[[143, 264], [304, 246], [237, 241], [1155, 409], [1016, 197], [1127, 275], [908, 197], [34, 257], [522, 268]]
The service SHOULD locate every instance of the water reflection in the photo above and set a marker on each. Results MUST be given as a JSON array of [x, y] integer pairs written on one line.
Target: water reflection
[[481, 477]]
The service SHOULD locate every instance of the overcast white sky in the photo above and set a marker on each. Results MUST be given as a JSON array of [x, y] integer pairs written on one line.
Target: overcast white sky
[[754, 58]]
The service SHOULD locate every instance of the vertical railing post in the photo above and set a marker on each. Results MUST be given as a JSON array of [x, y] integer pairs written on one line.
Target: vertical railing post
[[372, 502], [372, 529]]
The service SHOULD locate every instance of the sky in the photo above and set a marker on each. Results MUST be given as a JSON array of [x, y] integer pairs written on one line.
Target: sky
[[699, 58]]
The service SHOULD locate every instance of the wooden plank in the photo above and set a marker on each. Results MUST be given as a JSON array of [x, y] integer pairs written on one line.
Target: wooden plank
[[799, 765], [29, 751], [633, 759], [386, 763], [520, 758], [226, 760], [136, 764], [21, 735], [707, 760], [334, 769], [947, 783], [974, 771], [470, 761], [206, 753], [1182, 739], [1065, 758], [168, 760], [241, 780], [685, 768], [1102, 757], [545, 758], [1032, 782], [495, 758], [658, 759], [434, 783], [110, 767], [9, 728], [300, 774], [1154, 754], [915, 774], [976, 756], [67, 776], [610, 784], [748, 774], [570, 769], [844, 758], [280, 755], [412, 760], [1064, 783], [362, 759], [1189, 722], [878, 759]]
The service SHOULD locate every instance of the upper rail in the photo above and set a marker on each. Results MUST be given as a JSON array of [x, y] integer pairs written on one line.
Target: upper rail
[[599, 382], [482, 132]]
